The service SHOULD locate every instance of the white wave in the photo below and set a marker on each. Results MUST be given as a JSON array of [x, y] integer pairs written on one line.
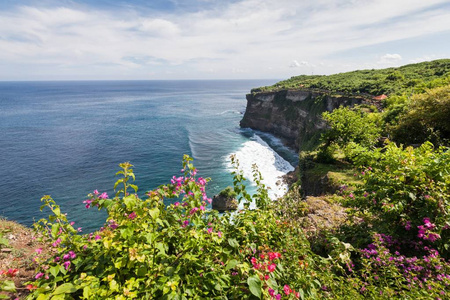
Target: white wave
[[228, 111], [271, 165]]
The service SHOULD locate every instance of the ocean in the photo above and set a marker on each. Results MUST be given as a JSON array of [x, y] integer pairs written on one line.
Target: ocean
[[66, 139]]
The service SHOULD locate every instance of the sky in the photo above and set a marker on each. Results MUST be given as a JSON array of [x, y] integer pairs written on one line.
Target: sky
[[215, 39]]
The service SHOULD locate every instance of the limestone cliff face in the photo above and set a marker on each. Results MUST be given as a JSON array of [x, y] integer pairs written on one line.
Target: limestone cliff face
[[294, 115]]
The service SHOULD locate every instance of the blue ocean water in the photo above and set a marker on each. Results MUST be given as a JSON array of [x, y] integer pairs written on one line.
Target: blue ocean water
[[66, 139]]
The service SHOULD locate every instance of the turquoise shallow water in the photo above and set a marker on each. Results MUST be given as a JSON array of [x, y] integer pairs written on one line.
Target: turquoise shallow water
[[67, 138]]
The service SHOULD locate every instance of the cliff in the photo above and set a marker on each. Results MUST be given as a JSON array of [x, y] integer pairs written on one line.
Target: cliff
[[295, 115]]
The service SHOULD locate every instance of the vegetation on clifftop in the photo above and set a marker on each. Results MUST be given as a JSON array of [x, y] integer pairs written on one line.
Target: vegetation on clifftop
[[391, 81]]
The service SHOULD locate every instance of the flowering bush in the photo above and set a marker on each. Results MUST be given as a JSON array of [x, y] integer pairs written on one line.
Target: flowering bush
[[148, 250], [406, 193]]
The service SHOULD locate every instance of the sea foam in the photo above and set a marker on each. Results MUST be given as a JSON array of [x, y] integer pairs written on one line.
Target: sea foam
[[271, 165]]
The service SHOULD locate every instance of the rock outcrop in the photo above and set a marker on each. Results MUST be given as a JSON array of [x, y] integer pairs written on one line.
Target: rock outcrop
[[295, 115], [223, 203]]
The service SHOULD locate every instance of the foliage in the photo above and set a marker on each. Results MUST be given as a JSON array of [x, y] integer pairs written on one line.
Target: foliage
[[391, 81], [404, 187], [146, 250], [349, 125], [426, 119], [228, 192]]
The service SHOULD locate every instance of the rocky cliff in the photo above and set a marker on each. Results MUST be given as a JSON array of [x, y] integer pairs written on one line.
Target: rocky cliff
[[295, 115]]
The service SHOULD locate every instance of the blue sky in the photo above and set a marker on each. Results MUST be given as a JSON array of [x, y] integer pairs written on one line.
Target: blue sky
[[212, 39]]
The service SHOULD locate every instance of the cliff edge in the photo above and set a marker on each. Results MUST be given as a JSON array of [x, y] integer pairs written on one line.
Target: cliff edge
[[295, 115]]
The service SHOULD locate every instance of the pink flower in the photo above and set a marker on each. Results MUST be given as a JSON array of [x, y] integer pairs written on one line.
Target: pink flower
[[72, 254], [202, 207], [39, 275], [193, 211], [210, 230], [79, 229], [66, 264], [56, 243], [219, 233], [278, 297], [97, 237], [103, 196], [132, 215], [201, 181], [271, 267], [271, 292], [287, 290], [38, 250], [95, 192]]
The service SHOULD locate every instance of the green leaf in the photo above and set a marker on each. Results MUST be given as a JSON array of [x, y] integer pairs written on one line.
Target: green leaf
[[134, 187], [233, 243], [154, 213], [8, 286], [142, 271], [54, 270], [65, 288], [55, 230], [254, 283], [231, 264]]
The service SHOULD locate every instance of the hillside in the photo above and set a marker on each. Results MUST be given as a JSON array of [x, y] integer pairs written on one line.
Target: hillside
[[390, 81]]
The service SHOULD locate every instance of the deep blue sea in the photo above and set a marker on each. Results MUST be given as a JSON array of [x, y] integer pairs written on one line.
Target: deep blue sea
[[66, 139]]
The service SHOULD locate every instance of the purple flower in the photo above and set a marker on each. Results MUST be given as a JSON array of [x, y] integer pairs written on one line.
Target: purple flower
[[132, 215], [66, 264]]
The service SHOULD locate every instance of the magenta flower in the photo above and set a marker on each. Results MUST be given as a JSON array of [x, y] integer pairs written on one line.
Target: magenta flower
[[72, 254], [132, 215], [287, 290], [210, 230], [201, 181], [97, 237], [66, 264], [103, 196], [96, 192], [271, 267], [39, 275], [38, 250], [57, 242], [271, 292], [219, 233]]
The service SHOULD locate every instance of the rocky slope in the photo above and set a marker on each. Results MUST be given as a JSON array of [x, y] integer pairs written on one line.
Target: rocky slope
[[295, 115]]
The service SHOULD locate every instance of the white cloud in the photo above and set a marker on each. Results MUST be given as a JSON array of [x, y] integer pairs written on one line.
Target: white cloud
[[296, 64], [390, 59], [252, 36]]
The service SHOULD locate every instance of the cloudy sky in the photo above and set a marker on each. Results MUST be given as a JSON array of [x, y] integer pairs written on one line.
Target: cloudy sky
[[215, 39]]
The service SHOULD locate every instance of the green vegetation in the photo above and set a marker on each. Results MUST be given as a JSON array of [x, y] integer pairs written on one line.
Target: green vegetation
[[382, 232], [228, 193], [392, 81]]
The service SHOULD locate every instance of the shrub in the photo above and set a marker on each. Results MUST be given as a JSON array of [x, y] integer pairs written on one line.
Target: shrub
[[228, 193]]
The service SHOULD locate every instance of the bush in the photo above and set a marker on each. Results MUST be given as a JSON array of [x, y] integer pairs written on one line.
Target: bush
[[228, 193], [426, 119], [146, 250]]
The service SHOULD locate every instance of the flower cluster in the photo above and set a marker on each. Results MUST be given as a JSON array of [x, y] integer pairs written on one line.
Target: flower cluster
[[425, 231], [9, 272], [94, 197], [422, 272]]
